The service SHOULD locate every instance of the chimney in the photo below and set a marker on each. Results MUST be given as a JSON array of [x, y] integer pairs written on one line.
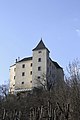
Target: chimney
[[16, 60]]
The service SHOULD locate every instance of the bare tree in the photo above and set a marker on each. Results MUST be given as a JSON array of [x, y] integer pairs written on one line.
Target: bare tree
[[74, 86], [44, 82], [4, 90]]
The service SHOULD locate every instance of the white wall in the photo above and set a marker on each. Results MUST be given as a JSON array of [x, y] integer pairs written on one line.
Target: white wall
[[12, 80], [27, 79], [43, 55]]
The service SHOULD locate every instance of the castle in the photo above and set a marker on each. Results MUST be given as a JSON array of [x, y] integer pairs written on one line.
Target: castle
[[36, 71]]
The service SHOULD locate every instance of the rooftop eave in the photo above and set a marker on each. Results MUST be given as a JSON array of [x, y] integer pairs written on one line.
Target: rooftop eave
[[41, 49], [25, 59], [13, 65]]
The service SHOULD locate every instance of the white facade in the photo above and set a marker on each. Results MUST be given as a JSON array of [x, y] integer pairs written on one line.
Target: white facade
[[39, 65], [23, 75], [28, 73], [12, 78]]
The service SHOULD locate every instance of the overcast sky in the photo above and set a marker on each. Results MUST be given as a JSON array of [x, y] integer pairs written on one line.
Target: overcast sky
[[24, 22]]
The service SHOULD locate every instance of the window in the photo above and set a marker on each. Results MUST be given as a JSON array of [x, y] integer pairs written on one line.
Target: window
[[48, 69], [47, 60], [30, 81], [23, 73], [30, 72], [50, 63], [14, 77], [38, 77], [39, 68], [22, 82], [50, 72], [14, 69], [39, 59], [23, 66], [52, 67], [31, 64], [39, 51]]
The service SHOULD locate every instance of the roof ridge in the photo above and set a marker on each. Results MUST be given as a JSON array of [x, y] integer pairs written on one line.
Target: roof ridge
[[56, 64], [25, 59], [40, 45]]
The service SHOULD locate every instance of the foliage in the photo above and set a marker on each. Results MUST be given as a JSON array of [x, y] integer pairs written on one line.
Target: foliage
[[62, 102]]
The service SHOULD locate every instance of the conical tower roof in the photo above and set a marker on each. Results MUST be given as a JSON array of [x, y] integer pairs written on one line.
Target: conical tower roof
[[40, 46]]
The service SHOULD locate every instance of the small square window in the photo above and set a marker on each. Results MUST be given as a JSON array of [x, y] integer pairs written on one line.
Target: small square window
[[39, 68], [14, 69], [31, 64], [30, 81], [38, 77], [23, 66], [23, 73], [14, 77], [39, 51], [22, 82], [30, 72], [39, 59]]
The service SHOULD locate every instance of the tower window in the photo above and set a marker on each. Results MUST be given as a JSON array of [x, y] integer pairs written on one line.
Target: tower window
[[31, 64], [39, 51], [14, 69], [38, 77], [14, 77], [23, 73], [30, 72], [39, 59], [22, 82], [39, 68], [23, 66]]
